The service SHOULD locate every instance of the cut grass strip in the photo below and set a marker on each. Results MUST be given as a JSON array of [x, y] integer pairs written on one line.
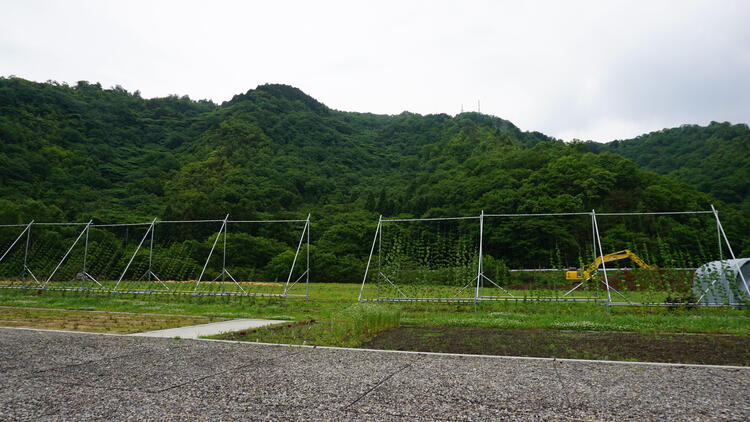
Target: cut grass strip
[[349, 327]]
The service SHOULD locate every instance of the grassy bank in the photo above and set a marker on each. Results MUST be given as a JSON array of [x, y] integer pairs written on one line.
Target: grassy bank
[[349, 327]]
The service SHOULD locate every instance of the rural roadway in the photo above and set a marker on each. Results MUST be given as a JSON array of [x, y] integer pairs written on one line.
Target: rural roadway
[[62, 376]]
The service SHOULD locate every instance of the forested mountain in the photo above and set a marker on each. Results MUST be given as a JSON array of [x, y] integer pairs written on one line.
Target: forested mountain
[[714, 159], [80, 152]]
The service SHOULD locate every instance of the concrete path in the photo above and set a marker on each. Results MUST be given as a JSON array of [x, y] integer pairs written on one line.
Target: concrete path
[[56, 376], [195, 331]]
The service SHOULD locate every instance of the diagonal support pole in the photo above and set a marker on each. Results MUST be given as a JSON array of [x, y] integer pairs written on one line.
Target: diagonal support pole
[[731, 253], [80, 235], [143, 239], [224, 272], [27, 228], [26, 268], [497, 285], [574, 288], [150, 271], [298, 279], [369, 259], [595, 240], [396, 287], [296, 254], [84, 274], [601, 254], [458, 293], [205, 265]]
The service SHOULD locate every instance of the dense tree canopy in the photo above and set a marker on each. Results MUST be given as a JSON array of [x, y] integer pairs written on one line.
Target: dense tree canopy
[[714, 159], [81, 152]]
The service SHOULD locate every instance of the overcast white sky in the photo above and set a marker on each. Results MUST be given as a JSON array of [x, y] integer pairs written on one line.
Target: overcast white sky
[[599, 70]]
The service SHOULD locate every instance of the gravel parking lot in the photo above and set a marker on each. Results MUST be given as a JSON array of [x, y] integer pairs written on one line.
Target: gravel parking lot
[[56, 376]]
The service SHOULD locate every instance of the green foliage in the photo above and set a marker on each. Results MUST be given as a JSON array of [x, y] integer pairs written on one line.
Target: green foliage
[[715, 159], [83, 152]]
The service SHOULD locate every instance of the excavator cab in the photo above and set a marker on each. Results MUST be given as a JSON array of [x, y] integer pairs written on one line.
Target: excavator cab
[[573, 275]]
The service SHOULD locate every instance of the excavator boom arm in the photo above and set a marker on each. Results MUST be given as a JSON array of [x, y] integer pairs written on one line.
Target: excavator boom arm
[[615, 256]]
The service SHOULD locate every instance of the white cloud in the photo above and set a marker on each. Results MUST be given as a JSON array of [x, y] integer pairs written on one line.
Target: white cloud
[[577, 69]]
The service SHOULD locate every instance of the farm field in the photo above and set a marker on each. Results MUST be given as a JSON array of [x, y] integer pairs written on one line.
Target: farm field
[[329, 298], [170, 287], [711, 349], [332, 317]]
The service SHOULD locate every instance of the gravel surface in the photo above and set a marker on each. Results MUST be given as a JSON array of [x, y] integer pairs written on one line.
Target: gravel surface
[[55, 376]]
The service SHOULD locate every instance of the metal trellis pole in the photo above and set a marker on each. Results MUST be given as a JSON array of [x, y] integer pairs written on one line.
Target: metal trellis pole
[[200, 277], [151, 253], [143, 239], [593, 237], [296, 254], [379, 236], [307, 272], [86, 247], [479, 263], [224, 272], [718, 237], [224, 253], [66, 254], [26, 251], [85, 274], [23, 232], [601, 251], [369, 259]]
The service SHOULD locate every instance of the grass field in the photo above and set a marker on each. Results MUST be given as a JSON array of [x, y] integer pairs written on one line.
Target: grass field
[[348, 327], [326, 299]]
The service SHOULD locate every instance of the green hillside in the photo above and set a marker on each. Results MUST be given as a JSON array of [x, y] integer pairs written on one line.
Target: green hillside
[[714, 159], [80, 152]]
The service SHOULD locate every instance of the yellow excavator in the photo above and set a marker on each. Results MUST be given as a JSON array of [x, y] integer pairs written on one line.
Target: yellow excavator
[[589, 272]]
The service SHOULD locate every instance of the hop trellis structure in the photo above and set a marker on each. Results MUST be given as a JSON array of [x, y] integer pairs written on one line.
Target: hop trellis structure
[[191, 257], [525, 257], [423, 259]]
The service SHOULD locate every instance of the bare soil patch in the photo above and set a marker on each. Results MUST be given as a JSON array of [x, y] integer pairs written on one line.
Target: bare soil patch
[[713, 349]]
